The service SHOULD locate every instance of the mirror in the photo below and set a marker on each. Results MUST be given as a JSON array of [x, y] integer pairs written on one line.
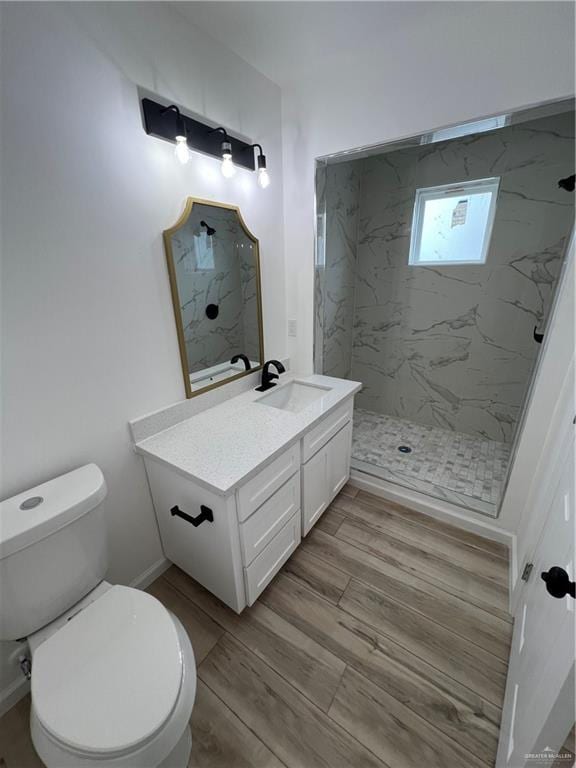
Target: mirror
[[214, 269]]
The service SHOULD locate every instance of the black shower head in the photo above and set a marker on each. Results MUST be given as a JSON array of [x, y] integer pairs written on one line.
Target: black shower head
[[209, 230]]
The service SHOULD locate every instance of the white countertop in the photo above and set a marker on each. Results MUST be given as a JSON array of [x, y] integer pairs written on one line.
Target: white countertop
[[222, 447]]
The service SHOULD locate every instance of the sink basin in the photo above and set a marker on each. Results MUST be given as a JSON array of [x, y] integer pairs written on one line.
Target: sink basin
[[294, 396]]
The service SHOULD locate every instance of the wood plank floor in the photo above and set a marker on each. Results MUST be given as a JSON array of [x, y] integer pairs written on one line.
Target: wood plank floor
[[382, 643]]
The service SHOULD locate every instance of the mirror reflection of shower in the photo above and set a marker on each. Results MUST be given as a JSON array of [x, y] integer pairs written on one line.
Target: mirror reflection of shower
[[437, 261]]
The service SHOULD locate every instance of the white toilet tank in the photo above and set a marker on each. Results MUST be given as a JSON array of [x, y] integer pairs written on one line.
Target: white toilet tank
[[52, 549]]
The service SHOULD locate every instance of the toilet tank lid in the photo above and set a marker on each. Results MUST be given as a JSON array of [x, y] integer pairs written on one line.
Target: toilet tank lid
[[32, 515]]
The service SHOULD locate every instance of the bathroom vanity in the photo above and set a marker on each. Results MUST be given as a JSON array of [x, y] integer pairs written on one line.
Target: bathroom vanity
[[237, 481], [237, 486]]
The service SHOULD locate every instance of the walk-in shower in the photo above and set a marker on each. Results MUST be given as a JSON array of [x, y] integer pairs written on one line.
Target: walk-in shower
[[437, 262]]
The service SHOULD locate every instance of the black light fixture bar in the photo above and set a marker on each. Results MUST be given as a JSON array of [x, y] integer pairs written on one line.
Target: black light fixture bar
[[167, 124]]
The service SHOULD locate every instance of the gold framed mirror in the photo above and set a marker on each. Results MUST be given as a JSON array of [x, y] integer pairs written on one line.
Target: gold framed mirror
[[214, 271]]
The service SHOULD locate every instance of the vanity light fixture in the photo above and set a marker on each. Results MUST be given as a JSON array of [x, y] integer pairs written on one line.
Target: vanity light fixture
[[263, 177], [168, 123], [181, 149]]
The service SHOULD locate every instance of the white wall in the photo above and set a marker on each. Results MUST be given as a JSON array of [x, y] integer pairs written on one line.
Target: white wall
[[452, 62], [89, 338]]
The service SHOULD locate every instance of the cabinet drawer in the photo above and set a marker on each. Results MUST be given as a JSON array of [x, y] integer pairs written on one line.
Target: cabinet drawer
[[255, 492], [263, 569], [319, 436], [264, 524]]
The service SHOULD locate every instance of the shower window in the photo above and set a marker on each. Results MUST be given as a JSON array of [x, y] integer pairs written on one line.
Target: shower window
[[204, 250], [452, 223]]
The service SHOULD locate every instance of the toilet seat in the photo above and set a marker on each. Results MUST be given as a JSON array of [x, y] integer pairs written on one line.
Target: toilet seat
[[108, 681]]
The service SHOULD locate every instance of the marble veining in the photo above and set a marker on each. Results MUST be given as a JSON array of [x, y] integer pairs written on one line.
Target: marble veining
[[336, 278], [442, 463], [446, 346], [320, 270]]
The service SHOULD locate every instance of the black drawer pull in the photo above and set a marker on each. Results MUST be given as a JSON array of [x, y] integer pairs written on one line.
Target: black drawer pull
[[205, 514]]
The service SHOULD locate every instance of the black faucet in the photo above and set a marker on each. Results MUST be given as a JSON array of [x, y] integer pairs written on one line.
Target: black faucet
[[267, 377], [244, 360]]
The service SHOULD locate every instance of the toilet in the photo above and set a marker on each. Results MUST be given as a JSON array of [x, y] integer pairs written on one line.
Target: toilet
[[113, 676]]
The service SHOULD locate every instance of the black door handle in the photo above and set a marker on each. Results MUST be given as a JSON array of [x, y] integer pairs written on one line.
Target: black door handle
[[537, 336], [558, 583], [205, 514]]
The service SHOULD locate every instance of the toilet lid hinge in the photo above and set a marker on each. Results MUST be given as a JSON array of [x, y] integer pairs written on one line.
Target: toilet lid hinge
[[25, 666]]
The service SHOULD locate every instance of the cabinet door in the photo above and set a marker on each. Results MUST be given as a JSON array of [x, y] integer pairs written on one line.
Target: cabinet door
[[314, 488], [339, 450]]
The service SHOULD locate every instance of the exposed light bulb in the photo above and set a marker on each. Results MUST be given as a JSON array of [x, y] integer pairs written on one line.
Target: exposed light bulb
[[181, 150], [263, 178], [228, 167]]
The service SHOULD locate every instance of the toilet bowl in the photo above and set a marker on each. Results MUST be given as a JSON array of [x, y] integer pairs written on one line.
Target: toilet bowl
[[114, 685], [113, 676]]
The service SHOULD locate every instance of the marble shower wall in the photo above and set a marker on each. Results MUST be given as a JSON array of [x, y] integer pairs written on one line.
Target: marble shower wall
[[249, 288], [448, 346], [336, 278], [319, 268]]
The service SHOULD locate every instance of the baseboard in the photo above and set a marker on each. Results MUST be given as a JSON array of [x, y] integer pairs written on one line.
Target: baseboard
[[17, 689], [151, 574], [11, 694], [441, 510]]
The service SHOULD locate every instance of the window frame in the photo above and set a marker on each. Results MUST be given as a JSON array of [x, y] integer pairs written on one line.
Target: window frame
[[423, 194]]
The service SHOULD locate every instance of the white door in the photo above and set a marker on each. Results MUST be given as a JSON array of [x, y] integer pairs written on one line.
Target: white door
[[543, 643]]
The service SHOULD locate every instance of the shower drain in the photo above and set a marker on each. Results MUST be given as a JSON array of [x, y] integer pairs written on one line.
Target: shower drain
[[404, 449]]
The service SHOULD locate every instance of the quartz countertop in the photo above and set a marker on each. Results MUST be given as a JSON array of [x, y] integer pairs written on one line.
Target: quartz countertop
[[223, 447]]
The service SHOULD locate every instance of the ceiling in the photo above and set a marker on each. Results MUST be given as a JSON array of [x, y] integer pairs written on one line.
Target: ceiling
[[287, 41]]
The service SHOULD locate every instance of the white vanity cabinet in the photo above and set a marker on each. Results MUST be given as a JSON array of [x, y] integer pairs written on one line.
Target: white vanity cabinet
[[234, 543]]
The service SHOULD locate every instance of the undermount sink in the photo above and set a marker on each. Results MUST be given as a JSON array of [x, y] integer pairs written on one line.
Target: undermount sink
[[294, 396]]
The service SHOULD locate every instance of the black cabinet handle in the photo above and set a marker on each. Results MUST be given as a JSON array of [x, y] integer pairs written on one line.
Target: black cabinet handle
[[205, 514], [558, 583]]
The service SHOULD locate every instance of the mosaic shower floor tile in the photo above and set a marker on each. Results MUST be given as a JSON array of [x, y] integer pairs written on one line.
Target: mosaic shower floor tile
[[466, 470]]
